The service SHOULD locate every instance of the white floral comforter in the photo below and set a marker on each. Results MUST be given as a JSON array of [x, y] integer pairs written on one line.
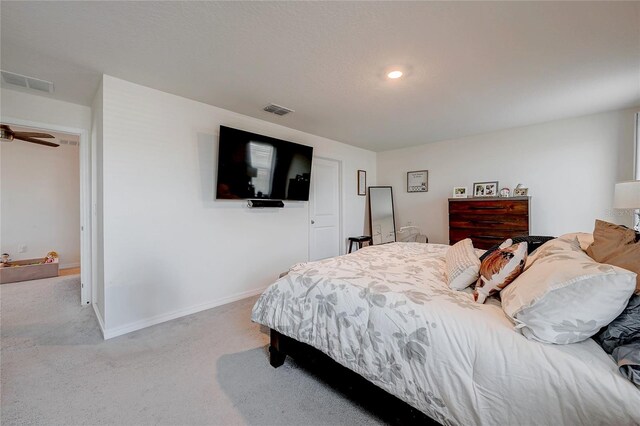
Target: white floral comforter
[[386, 313]]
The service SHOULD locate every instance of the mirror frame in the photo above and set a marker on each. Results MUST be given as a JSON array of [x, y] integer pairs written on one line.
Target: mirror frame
[[393, 214]]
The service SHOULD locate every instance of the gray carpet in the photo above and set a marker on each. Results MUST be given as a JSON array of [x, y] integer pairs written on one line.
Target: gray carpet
[[207, 368]]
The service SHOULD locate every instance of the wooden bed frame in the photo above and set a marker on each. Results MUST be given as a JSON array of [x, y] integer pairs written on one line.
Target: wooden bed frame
[[389, 408]]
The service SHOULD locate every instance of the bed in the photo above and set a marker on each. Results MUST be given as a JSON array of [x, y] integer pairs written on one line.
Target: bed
[[386, 313]]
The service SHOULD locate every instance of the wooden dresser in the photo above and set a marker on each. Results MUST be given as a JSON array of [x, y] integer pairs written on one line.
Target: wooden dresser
[[488, 221]]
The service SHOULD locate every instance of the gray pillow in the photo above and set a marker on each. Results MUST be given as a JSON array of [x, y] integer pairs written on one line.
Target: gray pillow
[[623, 330], [628, 359]]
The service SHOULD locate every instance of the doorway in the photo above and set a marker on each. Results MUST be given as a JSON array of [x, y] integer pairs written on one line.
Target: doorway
[[325, 209], [46, 199]]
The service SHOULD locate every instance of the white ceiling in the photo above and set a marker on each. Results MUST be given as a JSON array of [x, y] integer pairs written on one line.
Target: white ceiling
[[472, 67]]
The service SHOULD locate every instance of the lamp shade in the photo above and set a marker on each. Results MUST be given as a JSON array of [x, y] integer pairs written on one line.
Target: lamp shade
[[627, 195]]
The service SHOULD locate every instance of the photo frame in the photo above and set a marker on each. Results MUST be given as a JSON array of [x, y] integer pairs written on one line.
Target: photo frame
[[460, 192], [485, 189], [521, 192], [362, 182], [418, 181]]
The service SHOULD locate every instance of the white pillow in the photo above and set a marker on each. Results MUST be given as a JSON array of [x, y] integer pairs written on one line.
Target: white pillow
[[565, 296], [462, 265]]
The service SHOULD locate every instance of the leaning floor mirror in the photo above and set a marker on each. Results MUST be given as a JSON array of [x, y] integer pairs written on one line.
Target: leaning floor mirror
[[381, 214]]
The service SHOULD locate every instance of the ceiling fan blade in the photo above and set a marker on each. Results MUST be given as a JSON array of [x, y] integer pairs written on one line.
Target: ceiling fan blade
[[38, 141], [32, 135]]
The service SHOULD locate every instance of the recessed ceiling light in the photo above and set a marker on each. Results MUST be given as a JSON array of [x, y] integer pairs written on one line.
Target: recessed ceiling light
[[395, 74]]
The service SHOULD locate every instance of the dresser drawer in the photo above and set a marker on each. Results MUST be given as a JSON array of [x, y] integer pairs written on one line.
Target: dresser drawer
[[484, 237], [484, 208], [499, 221]]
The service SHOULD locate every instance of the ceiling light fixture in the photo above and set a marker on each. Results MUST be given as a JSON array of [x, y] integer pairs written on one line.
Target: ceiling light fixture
[[395, 74]]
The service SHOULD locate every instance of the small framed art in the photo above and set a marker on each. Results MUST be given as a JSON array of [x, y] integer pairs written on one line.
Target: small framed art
[[459, 192], [418, 181], [362, 182], [485, 189]]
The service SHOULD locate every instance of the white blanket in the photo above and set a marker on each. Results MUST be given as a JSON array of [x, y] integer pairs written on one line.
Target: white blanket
[[386, 313]]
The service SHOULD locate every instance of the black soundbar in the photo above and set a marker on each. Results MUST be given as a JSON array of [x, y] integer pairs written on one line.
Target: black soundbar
[[264, 203]]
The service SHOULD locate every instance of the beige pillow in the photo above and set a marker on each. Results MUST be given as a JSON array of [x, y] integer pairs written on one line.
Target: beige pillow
[[554, 246], [462, 265], [615, 245], [607, 239], [584, 238]]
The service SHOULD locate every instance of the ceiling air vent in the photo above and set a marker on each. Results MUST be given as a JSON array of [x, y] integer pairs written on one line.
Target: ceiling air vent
[[277, 109], [26, 82]]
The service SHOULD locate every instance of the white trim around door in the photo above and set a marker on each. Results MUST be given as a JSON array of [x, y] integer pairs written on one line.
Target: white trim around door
[[325, 209]]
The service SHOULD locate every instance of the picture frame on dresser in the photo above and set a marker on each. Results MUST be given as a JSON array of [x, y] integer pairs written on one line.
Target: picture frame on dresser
[[485, 189], [459, 192]]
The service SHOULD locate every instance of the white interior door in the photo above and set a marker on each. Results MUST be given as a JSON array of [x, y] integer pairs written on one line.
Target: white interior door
[[324, 209]]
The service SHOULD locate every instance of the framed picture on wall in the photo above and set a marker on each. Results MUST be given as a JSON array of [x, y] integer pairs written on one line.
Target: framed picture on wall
[[418, 181], [362, 182], [485, 189]]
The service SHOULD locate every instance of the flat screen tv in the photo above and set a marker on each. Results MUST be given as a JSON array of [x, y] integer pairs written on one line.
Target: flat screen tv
[[252, 166]]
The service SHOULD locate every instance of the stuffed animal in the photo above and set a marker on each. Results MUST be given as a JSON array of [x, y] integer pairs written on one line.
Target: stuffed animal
[[52, 257]]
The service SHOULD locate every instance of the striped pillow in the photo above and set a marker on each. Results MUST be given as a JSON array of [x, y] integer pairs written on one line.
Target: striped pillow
[[463, 265]]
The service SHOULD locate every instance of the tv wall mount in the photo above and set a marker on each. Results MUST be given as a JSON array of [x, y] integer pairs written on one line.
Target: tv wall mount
[[264, 203]]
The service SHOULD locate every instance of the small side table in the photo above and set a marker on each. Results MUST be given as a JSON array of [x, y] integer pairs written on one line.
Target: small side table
[[359, 240]]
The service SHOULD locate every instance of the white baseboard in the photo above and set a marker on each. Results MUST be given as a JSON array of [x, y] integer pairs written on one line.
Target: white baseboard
[[69, 265], [100, 320], [128, 328]]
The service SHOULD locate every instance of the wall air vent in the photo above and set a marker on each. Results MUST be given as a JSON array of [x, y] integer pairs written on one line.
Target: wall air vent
[[277, 109], [26, 82]]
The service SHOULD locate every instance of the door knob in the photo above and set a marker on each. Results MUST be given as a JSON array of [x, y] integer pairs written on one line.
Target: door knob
[[313, 221]]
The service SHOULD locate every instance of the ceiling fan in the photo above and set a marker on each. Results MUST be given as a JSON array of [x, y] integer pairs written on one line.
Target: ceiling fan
[[7, 134]]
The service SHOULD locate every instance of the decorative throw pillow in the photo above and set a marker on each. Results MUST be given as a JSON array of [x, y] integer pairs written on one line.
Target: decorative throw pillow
[[462, 265], [499, 269], [616, 245], [565, 296], [607, 238], [533, 242]]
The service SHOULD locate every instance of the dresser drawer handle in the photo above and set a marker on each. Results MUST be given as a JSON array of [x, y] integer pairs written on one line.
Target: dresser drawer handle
[[485, 207], [486, 222]]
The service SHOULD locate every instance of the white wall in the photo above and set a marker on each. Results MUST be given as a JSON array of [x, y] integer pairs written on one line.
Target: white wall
[[40, 201], [25, 106], [51, 167], [169, 247], [570, 167]]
